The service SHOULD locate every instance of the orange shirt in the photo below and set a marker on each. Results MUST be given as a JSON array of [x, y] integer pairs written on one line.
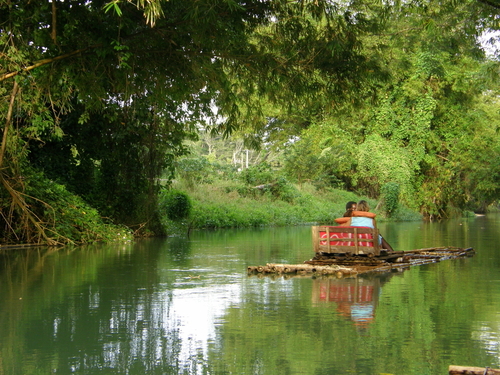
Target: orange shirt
[[345, 221]]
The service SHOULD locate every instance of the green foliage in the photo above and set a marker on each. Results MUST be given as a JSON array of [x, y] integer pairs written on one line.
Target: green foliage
[[370, 93], [261, 179], [220, 205], [66, 217], [390, 195], [124, 98], [258, 174], [404, 214], [114, 160], [194, 170], [175, 204], [118, 82], [422, 129], [284, 190], [303, 160], [380, 161]]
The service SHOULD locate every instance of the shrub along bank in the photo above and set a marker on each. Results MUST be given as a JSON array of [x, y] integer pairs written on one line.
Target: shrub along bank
[[67, 218]]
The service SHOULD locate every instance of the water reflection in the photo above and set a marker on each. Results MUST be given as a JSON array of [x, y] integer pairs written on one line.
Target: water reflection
[[186, 306], [355, 298]]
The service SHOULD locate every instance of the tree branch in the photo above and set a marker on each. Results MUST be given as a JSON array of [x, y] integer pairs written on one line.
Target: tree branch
[[42, 62], [15, 89]]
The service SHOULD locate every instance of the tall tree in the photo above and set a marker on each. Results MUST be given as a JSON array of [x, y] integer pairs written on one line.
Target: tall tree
[[141, 74], [427, 116]]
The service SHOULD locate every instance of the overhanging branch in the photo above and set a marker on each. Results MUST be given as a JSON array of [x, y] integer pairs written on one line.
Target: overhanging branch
[[41, 63]]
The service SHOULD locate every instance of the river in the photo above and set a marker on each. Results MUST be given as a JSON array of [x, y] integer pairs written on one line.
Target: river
[[187, 306]]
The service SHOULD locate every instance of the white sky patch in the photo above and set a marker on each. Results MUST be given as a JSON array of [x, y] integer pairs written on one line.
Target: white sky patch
[[197, 313], [490, 42]]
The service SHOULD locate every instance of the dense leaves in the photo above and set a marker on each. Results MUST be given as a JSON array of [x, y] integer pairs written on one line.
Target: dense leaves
[[424, 130], [176, 205], [101, 95], [108, 91]]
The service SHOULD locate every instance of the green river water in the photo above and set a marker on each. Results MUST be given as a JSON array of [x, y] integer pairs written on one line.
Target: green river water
[[187, 306]]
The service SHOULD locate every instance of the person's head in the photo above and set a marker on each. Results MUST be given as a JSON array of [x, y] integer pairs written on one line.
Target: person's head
[[363, 206], [350, 206]]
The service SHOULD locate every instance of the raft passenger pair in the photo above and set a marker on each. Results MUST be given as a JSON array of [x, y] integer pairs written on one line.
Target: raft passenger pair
[[358, 215]]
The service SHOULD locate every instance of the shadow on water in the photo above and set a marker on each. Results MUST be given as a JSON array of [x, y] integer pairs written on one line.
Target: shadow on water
[[354, 298]]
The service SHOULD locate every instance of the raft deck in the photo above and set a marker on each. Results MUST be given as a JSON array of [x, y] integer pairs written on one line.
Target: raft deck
[[345, 266]]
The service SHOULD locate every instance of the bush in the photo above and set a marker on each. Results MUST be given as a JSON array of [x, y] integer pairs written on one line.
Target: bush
[[194, 170], [390, 195], [259, 174], [175, 204], [67, 217]]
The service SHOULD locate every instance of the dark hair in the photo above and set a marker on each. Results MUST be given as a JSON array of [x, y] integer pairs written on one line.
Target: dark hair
[[349, 208], [349, 205]]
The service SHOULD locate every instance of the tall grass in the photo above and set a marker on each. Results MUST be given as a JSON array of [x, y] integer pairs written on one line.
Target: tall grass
[[229, 204]]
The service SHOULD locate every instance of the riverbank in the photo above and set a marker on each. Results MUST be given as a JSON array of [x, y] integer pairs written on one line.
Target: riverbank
[[227, 206]]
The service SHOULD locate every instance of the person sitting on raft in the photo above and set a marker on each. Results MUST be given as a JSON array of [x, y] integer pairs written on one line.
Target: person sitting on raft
[[349, 208], [353, 211], [361, 217]]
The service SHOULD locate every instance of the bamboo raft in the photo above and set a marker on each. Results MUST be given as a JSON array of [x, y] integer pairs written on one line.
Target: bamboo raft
[[345, 266], [457, 370]]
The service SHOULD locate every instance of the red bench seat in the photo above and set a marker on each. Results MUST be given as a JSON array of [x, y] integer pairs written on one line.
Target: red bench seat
[[339, 239]]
